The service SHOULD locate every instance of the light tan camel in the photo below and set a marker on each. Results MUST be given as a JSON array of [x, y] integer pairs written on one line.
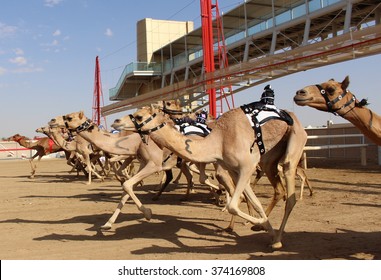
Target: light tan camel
[[152, 158], [150, 155], [231, 144], [334, 97], [79, 146], [43, 146]]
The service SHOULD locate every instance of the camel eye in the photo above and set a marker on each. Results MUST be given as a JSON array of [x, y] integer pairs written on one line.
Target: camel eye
[[331, 90], [168, 104], [139, 118]]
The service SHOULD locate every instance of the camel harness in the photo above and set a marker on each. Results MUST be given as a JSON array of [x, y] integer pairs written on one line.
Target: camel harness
[[258, 114]]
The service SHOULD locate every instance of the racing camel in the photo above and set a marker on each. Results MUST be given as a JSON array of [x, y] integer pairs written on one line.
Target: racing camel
[[152, 157], [79, 146], [232, 144], [334, 97], [43, 146]]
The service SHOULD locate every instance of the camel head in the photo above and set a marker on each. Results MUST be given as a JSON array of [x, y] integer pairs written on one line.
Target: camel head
[[75, 120], [17, 137], [331, 96], [57, 122], [145, 119], [44, 129]]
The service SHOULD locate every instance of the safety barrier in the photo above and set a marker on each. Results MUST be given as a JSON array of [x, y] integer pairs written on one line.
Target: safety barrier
[[12, 150], [361, 145]]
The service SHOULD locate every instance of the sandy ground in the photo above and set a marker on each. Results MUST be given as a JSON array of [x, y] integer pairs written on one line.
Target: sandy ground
[[57, 216]]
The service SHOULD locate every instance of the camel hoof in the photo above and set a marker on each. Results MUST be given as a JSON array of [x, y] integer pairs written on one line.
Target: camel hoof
[[257, 228], [276, 245], [106, 226], [146, 212], [228, 230]]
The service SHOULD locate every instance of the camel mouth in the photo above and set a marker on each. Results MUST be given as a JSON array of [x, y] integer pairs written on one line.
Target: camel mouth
[[301, 101]]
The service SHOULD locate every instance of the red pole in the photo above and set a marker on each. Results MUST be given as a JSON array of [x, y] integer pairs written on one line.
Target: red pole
[[208, 51], [97, 95]]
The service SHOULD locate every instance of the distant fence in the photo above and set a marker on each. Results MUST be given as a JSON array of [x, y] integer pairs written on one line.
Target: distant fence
[[331, 145], [13, 150]]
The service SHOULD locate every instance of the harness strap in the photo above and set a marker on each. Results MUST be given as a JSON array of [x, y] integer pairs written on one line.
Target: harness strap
[[258, 134], [145, 132], [330, 103]]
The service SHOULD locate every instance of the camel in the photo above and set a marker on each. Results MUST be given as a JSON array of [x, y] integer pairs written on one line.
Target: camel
[[334, 97], [300, 173], [151, 156], [77, 145], [231, 144], [43, 146]]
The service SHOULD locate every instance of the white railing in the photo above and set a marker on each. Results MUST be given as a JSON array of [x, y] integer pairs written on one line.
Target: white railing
[[361, 145]]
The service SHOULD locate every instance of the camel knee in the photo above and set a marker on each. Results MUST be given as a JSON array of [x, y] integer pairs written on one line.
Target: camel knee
[[232, 209]]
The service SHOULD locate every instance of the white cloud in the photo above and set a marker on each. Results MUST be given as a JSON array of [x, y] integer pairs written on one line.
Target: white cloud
[[28, 70], [2, 71], [109, 32], [51, 3], [57, 32], [18, 51], [7, 30], [19, 60]]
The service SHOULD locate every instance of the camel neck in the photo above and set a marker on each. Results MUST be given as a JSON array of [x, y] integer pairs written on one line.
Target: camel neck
[[367, 122], [191, 149], [112, 143], [23, 141]]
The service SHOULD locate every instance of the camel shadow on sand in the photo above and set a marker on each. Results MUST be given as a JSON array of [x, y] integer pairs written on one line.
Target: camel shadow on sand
[[342, 244]]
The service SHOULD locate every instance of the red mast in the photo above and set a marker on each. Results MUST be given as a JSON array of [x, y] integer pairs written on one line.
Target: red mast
[[98, 96], [209, 34], [207, 45]]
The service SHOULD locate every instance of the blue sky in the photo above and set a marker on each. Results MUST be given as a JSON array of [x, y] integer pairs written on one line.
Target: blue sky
[[48, 50]]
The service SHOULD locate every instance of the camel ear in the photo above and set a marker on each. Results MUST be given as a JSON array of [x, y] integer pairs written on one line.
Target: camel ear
[[345, 83], [81, 114]]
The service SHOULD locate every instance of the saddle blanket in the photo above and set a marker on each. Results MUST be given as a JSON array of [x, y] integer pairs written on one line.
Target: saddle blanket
[[262, 117], [193, 129]]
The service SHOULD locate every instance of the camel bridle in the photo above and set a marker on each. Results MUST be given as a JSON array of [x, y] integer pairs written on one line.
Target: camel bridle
[[84, 126], [139, 127], [330, 103]]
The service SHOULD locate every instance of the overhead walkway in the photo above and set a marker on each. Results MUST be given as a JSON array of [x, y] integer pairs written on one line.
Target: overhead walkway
[[265, 40]]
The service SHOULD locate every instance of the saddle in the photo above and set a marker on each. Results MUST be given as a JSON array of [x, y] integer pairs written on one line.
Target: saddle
[[258, 113], [193, 129]]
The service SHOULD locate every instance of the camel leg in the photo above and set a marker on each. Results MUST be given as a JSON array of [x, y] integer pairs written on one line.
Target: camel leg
[[34, 166], [204, 178], [289, 173], [177, 179], [168, 176], [300, 172], [243, 185], [128, 192], [149, 169], [189, 177], [111, 221], [91, 170], [278, 187]]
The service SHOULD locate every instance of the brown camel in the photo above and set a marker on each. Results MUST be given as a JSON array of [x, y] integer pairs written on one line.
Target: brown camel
[[43, 146], [334, 97], [231, 144]]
